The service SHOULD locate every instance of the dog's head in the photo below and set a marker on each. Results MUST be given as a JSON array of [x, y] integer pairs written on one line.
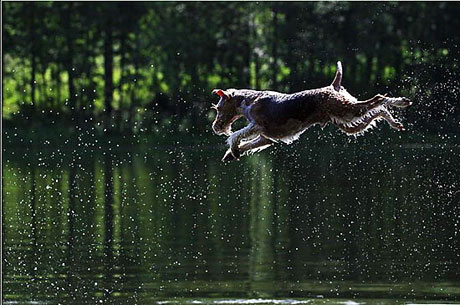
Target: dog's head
[[227, 111]]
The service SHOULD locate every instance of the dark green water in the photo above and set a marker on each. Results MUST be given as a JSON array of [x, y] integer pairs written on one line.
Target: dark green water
[[173, 225]]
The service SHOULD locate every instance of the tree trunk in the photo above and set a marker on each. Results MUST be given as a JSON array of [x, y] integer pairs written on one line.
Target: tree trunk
[[275, 48], [33, 73], [246, 55], [43, 90], [368, 76], [350, 41], [132, 87], [289, 34], [69, 59], [255, 55], [57, 87], [85, 99], [257, 71], [108, 71], [121, 106], [33, 54]]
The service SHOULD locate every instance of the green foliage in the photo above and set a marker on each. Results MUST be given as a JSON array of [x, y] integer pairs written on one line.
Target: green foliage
[[167, 57]]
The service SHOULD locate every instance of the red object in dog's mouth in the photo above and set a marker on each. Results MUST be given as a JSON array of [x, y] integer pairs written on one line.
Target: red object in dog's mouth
[[219, 92]]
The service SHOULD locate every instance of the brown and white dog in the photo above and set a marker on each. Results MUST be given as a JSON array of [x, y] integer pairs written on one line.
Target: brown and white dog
[[275, 116]]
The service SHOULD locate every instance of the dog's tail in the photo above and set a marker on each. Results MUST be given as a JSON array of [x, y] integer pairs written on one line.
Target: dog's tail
[[338, 77]]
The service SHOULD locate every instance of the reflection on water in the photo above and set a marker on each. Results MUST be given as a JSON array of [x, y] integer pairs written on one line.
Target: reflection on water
[[146, 225]]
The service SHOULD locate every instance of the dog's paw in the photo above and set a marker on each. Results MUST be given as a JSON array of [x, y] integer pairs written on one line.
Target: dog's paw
[[400, 127], [228, 156], [401, 102]]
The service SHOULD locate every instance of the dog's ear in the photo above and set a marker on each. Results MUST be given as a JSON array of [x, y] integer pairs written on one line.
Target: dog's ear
[[220, 93]]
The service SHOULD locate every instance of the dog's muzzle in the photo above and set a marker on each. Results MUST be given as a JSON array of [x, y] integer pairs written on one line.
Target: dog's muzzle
[[216, 129], [219, 130]]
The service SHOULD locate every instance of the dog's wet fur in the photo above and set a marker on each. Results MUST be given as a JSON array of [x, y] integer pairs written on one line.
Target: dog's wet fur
[[275, 117]]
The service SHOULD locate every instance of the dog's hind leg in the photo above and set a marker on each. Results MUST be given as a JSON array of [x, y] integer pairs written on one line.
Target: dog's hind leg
[[361, 124], [391, 120], [400, 102], [373, 102], [362, 108]]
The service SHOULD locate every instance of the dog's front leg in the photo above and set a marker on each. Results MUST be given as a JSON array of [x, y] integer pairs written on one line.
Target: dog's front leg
[[235, 138], [259, 143]]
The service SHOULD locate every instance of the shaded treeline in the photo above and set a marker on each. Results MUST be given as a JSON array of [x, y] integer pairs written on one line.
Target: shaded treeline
[[140, 66]]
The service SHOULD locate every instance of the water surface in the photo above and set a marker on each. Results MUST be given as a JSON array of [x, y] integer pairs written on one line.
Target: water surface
[[173, 225]]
